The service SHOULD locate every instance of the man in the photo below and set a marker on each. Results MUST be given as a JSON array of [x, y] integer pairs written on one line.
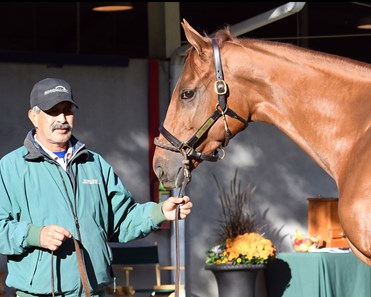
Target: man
[[57, 198]]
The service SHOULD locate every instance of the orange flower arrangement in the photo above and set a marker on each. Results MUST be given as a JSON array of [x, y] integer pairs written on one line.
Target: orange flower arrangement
[[248, 248], [240, 241]]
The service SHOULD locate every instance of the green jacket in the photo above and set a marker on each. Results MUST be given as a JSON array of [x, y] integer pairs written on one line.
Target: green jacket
[[35, 191]]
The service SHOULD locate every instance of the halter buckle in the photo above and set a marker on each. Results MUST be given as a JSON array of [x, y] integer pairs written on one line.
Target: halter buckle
[[220, 87], [186, 148]]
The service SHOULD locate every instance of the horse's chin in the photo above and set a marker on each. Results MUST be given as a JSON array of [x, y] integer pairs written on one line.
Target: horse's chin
[[169, 185]]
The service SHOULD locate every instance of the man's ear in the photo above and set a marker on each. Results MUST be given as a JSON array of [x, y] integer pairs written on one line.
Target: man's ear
[[32, 115]]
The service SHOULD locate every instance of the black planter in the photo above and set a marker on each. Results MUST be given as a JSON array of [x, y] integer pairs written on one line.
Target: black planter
[[235, 280]]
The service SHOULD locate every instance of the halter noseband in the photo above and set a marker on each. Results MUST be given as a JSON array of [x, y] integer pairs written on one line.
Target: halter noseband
[[187, 149]]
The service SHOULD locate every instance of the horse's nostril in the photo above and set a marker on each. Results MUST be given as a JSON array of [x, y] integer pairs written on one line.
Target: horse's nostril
[[159, 172]]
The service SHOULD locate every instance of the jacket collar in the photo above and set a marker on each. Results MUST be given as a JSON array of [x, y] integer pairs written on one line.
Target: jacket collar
[[36, 152]]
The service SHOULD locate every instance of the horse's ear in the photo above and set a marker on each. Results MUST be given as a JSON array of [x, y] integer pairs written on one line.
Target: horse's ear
[[194, 38]]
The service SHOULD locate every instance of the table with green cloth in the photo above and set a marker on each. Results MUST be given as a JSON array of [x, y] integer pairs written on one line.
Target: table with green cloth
[[318, 274]]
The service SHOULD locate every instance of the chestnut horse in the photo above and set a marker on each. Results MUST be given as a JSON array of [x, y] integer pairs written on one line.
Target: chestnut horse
[[321, 101]]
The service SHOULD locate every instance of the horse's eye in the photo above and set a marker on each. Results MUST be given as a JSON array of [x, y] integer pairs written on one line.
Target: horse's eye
[[187, 94]]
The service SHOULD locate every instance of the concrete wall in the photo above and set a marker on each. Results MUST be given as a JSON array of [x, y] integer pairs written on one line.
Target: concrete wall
[[112, 120]]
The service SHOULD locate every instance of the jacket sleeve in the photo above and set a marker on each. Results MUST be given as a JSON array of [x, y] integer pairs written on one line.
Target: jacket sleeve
[[131, 220], [12, 232]]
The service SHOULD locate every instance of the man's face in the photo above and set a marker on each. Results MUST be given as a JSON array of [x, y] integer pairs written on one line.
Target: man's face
[[54, 126]]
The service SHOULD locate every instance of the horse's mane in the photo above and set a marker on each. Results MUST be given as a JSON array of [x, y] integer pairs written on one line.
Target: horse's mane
[[225, 35]]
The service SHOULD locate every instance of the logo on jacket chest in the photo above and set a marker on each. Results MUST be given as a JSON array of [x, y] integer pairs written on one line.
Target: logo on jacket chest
[[90, 181]]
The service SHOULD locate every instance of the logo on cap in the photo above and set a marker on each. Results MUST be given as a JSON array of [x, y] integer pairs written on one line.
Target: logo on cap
[[56, 89]]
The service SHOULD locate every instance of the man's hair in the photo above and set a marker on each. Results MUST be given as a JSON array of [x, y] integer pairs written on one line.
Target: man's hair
[[36, 109]]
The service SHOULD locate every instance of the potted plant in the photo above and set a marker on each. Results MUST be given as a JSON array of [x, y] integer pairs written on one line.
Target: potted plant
[[242, 250]]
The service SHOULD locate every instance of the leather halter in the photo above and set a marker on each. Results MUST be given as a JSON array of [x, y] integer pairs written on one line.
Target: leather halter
[[187, 149]]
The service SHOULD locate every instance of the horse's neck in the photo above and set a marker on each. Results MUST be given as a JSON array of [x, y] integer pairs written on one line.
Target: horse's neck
[[321, 102]]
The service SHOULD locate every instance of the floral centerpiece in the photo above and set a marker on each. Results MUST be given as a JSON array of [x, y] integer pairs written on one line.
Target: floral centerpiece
[[240, 239]]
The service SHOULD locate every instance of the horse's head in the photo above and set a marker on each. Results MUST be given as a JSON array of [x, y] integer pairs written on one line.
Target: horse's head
[[199, 121]]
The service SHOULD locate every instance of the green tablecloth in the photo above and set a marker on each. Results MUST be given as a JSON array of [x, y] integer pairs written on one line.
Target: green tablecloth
[[318, 275]]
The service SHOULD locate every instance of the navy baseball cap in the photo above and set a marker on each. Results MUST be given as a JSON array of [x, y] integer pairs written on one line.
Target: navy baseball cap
[[50, 91]]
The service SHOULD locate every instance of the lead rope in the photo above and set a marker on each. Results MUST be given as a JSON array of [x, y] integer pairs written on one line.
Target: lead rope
[[82, 270], [83, 274], [186, 180], [79, 252], [52, 275]]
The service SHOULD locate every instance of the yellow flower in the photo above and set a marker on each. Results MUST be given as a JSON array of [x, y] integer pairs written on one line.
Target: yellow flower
[[248, 248]]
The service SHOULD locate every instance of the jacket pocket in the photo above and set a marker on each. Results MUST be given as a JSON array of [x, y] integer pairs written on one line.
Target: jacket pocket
[[37, 255]]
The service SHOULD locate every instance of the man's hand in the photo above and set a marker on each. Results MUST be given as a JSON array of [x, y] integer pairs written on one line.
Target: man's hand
[[52, 236], [169, 206]]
